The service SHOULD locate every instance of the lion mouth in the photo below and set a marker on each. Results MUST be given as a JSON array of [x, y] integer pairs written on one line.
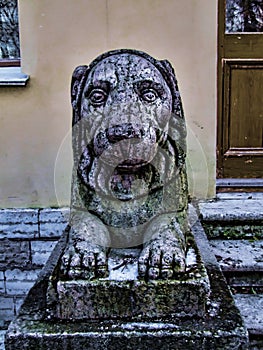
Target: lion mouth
[[131, 165]]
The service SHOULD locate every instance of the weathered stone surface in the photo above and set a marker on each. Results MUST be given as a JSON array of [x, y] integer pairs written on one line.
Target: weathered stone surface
[[250, 305], [233, 216], [234, 230], [220, 328], [172, 334], [232, 210], [123, 295], [130, 299], [244, 196], [14, 254], [2, 335], [24, 254], [40, 251], [129, 183], [18, 216], [9, 307], [18, 223], [52, 222], [23, 223], [242, 255]]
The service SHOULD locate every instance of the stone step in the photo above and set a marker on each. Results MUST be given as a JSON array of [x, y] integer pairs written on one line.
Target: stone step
[[251, 308], [242, 264], [240, 260], [233, 215]]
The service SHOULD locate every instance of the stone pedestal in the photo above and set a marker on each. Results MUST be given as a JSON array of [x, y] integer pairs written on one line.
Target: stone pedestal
[[195, 311], [123, 296]]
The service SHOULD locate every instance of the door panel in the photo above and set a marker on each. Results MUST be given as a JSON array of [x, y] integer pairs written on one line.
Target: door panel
[[240, 100], [243, 100]]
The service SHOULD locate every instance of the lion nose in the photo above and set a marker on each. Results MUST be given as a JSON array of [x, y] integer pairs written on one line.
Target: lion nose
[[124, 131]]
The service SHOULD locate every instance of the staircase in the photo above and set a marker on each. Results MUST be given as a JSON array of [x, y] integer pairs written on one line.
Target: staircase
[[234, 225]]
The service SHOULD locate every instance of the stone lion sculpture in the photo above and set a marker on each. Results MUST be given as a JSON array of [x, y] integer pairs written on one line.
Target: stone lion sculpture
[[129, 185]]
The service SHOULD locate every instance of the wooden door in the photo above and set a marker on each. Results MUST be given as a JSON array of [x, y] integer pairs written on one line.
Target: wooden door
[[240, 90]]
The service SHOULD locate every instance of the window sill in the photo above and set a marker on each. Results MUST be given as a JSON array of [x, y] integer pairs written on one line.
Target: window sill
[[12, 76]]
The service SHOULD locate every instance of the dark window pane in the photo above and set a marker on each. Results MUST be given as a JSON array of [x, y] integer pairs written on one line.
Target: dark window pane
[[244, 16], [9, 31]]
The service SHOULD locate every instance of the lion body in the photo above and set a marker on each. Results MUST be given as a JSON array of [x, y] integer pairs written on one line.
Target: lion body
[[129, 170]]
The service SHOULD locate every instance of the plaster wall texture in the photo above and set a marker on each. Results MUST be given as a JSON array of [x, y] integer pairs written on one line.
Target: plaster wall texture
[[56, 36]]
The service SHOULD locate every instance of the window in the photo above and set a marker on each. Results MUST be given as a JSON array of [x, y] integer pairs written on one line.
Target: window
[[10, 71], [9, 29]]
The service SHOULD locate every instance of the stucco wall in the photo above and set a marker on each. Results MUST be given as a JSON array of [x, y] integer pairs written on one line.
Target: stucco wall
[[58, 35]]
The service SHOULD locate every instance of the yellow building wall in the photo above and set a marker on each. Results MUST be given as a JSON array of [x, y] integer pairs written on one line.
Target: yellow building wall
[[56, 36]]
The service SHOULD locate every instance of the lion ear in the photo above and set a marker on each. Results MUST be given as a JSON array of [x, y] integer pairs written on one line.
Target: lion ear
[[172, 81], [177, 127], [77, 76], [75, 81], [168, 67]]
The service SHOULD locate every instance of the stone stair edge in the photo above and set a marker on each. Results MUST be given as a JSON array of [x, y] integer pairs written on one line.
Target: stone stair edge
[[232, 207]]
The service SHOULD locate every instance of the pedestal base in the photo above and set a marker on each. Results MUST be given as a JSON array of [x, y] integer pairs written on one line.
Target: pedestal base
[[108, 335], [219, 326], [123, 296]]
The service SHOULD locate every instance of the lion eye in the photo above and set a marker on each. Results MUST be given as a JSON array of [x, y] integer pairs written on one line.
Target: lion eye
[[149, 95], [98, 97]]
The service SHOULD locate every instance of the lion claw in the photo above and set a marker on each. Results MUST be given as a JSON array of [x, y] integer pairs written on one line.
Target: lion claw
[[160, 260], [87, 261]]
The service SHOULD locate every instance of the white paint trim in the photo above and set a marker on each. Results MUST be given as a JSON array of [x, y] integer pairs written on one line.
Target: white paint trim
[[12, 76]]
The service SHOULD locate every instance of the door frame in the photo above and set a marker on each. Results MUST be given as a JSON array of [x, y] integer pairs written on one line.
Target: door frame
[[224, 63]]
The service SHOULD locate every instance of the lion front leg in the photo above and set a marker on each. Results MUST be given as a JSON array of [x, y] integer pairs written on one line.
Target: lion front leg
[[163, 254], [85, 256]]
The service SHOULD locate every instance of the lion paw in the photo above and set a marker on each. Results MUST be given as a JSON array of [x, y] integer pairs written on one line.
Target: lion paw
[[84, 261], [161, 260]]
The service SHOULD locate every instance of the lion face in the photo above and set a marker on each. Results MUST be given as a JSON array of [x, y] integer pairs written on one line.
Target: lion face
[[125, 110], [125, 103]]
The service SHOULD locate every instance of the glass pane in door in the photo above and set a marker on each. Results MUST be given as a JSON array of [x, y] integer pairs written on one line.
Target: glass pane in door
[[244, 16]]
